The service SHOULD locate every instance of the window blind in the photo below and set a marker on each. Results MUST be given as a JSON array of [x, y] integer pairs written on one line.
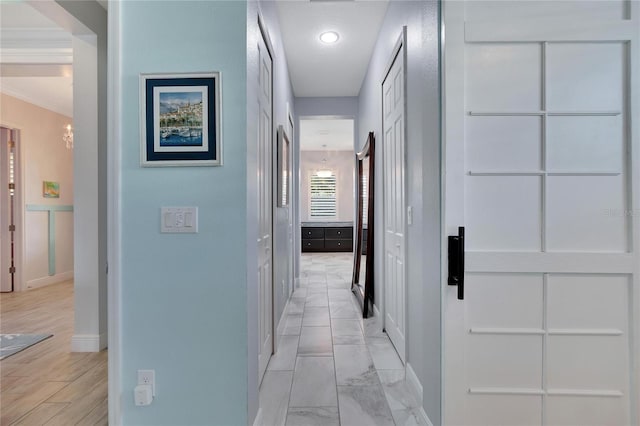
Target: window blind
[[323, 196]]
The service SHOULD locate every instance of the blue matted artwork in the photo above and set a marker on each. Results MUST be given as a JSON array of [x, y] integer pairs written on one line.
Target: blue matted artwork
[[180, 120]]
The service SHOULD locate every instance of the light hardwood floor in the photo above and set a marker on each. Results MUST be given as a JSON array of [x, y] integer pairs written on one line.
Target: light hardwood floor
[[46, 384]]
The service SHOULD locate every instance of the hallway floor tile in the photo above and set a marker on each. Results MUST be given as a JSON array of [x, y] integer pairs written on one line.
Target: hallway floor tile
[[332, 367]]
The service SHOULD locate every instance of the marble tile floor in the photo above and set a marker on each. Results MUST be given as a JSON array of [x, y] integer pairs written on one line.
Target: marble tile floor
[[332, 367]]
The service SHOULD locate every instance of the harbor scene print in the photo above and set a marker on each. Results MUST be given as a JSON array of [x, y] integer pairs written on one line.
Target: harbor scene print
[[181, 119]]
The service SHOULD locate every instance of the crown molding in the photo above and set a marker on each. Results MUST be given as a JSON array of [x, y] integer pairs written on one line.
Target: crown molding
[[36, 70], [36, 46], [34, 38], [36, 56]]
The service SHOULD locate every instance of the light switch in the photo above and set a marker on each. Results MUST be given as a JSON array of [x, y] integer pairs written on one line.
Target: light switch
[[168, 220], [409, 215], [188, 219], [179, 220]]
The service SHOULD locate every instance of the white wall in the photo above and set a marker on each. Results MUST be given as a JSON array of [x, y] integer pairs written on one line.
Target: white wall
[[423, 180], [44, 157], [343, 165]]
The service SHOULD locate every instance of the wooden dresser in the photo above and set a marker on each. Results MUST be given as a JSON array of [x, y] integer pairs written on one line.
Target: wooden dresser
[[327, 236]]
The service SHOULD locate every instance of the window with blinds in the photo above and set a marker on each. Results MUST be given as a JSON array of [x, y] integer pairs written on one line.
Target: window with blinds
[[322, 196]]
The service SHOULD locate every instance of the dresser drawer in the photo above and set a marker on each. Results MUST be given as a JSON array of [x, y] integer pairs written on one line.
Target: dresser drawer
[[338, 245], [338, 233], [312, 245], [312, 233]]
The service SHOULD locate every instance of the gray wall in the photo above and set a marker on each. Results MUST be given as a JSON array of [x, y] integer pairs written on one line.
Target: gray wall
[[423, 180], [282, 250], [282, 95], [346, 106]]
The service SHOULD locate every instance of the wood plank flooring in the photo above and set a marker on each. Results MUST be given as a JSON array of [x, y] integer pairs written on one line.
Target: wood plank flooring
[[46, 384]]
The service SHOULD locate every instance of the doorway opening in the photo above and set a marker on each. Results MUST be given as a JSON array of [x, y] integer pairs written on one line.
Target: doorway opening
[[52, 52]]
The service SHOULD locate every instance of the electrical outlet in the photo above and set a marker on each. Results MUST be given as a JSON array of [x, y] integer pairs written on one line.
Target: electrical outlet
[[148, 377]]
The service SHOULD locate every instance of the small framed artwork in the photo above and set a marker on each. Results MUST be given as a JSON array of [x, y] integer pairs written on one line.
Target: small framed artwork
[[50, 189], [284, 154], [180, 120]]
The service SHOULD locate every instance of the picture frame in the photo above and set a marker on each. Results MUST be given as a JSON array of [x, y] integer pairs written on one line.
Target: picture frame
[[50, 189], [284, 156], [180, 119]]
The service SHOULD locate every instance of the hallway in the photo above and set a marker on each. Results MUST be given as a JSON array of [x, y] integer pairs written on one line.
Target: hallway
[[332, 367]]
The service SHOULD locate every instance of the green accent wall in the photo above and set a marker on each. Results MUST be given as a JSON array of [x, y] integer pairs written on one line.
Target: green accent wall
[[52, 210]]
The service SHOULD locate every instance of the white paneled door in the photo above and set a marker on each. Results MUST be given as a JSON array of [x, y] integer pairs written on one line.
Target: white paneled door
[[541, 160], [393, 107], [265, 208]]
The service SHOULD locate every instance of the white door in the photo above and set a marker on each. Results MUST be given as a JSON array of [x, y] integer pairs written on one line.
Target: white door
[[537, 138], [393, 107], [265, 208]]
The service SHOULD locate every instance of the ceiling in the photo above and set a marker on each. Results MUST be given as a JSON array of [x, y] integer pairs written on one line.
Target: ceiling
[[326, 135], [318, 69], [28, 40]]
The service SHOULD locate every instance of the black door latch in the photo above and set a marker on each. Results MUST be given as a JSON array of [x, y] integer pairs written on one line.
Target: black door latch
[[456, 261]]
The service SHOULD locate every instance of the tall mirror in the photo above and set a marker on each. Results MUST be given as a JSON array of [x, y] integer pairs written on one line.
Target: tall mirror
[[362, 283]]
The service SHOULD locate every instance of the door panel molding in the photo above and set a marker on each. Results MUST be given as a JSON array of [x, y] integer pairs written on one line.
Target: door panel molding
[[568, 264], [394, 265]]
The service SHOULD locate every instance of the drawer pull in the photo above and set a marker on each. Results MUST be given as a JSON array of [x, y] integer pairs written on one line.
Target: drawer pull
[[339, 243], [339, 232], [308, 244], [309, 233]]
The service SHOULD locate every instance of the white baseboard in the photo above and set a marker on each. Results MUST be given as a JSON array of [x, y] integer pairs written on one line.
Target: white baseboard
[[376, 312], [258, 420], [88, 342], [53, 279], [414, 383], [282, 321], [416, 388]]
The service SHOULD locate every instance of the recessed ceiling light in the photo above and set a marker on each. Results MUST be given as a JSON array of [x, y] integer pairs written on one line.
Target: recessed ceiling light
[[329, 37]]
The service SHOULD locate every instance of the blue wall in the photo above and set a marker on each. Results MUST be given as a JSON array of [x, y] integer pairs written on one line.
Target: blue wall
[[184, 297]]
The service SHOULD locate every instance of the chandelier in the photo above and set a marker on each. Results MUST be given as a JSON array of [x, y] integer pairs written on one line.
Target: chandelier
[[67, 137]]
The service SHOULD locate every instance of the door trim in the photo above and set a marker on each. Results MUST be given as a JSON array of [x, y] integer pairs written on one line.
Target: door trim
[[379, 294], [114, 242]]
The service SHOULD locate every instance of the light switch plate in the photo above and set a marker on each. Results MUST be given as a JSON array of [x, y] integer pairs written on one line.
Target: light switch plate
[[180, 220]]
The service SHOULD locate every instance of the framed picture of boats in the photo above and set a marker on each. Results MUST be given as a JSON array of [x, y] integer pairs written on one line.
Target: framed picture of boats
[[180, 120]]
